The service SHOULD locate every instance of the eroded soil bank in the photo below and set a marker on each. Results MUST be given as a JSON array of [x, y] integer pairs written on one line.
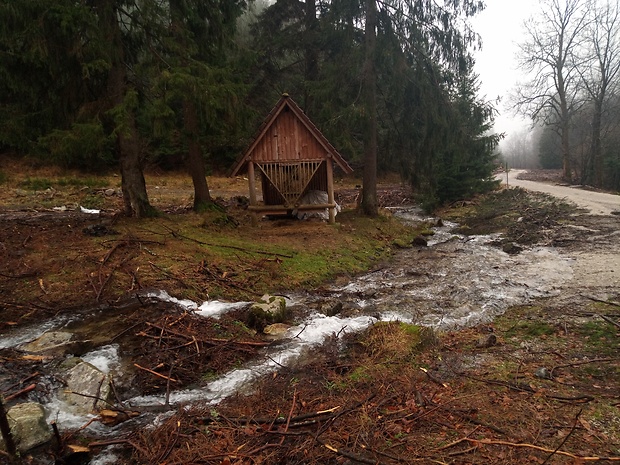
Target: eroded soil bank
[[537, 382]]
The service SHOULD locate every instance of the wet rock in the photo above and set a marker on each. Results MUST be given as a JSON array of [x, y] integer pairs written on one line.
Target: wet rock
[[511, 248], [28, 426], [52, 342], [419, 241], [334, 310], [276, 331], [87, 388], [271, 309], [439, 223], [98, 230], [543, 373], [486, 341], [350, 310]]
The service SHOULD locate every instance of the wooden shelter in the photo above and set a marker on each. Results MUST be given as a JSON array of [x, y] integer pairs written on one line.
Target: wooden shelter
[[292, 158]]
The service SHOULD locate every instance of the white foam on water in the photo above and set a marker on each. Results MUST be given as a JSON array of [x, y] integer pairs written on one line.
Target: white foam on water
[[306, 335], [105, 358], [165, 297], [215, 308], [62, 414], [28, 334]]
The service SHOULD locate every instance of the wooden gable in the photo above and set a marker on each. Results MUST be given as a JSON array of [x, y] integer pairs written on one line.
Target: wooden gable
[[293, 160], [288, 135]]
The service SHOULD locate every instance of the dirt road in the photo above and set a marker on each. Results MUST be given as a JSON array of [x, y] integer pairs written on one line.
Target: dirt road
[[595, 262], [598, 203]]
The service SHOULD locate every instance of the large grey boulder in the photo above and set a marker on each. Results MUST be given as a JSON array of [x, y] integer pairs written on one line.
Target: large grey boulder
[[87, 388], [28, 426], [51, 342]]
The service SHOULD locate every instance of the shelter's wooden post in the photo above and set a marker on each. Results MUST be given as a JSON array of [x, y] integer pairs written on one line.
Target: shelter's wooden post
[[330, 189], [252, 181]]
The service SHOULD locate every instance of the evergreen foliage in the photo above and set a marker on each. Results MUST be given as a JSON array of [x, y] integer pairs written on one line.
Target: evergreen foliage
[[84, 82]]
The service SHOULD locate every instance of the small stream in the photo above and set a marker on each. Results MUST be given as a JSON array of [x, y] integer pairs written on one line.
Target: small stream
[[455, 282]]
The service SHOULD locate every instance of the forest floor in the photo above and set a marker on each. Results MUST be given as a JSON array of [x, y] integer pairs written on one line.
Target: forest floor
[[540, 384]]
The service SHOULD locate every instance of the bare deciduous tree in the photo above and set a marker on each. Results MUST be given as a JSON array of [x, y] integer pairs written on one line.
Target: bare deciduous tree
[[600, 80], [551, 57]]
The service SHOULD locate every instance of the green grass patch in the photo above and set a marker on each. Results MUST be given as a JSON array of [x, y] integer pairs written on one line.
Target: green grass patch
[[600, 336], [92, 201], [41, 184], [530, 329], [91, 182], [36, 184]]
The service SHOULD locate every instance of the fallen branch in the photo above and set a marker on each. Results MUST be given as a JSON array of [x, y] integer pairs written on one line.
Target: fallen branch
[[212, 341], [113, 442], [583, 362], [608, 302], [22, 381], [471, 419], [20, 392], [210, 244], [521, 387], [610, 321], [169, 275], [155, 373], [542, 449], [293, 420], [96, 398], [582, 398], [349, 455], [564, 440]]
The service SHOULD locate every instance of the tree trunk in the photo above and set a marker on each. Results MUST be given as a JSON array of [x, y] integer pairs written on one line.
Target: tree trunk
[[567, 174], [133, 184], [195, 163], [369, 192], [596, 159], [128, 143], [311, 54]]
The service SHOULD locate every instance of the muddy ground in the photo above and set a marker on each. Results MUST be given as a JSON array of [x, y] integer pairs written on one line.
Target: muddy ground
[[540, 384]]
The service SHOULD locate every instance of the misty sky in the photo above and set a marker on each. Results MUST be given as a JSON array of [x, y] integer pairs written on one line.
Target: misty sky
[[501, 28]]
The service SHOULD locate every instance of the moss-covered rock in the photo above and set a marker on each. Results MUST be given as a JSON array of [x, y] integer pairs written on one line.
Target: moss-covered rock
[[269, 310]]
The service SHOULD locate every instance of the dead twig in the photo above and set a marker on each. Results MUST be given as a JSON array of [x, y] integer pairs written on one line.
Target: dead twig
[[349, 455], [212, 341], [458, 441], [610, 321], [293, 421], [582, 399], [22, 381], [210, 244], [542, 449], [565, 438], [155, 373], [583, 362], [27, 389], [608, 302], [471, 419]]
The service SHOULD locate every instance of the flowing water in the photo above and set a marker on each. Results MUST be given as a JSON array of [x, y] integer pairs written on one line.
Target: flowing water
[[456, 281]]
